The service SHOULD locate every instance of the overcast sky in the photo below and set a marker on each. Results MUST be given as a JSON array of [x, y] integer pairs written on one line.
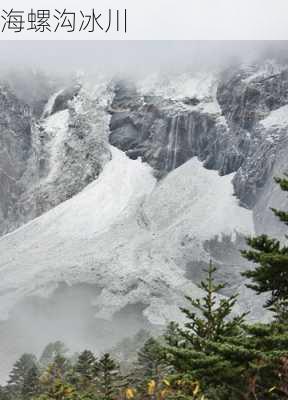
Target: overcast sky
[[131, 56]]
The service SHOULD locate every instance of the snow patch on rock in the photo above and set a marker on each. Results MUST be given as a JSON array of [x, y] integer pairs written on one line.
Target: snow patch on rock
[[56, 127], [277, 118], [199, 85]]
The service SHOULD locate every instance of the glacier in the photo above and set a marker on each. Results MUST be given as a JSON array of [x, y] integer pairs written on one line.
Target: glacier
[[125, 190], [123, 231]]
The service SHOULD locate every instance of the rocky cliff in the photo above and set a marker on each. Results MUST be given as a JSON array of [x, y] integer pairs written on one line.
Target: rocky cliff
[[47, 160]]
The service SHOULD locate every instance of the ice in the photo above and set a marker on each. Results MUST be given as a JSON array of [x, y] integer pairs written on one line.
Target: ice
[[201, 198], [56, 127], [199, 85], [277, 118], [123, 232]]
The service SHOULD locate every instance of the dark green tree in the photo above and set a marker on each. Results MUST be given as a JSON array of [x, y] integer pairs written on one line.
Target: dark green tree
[[31, 384], [210, 317], [5, 393], [231, 359], [86, 368], [209, 324], [172, 335], [108, 377], [151, 364], [257, 360], [271, 272], [19, 373]]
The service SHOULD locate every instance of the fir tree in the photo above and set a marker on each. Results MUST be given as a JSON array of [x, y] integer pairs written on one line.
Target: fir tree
[[212, 322], [20, 371], [209, 323], [108, 377], [150, 366], [86, 368], [5, 393], [271, 273], [31, 385], [150, 360], [171, 335], [231, 359], [55, 380]]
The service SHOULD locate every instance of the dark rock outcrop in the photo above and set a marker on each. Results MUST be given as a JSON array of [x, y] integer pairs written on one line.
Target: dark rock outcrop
[[45, 161], [15, 149], [61, 102], [166, 133]]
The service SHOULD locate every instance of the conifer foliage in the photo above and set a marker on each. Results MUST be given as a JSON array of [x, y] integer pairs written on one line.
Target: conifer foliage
[[271, 257]]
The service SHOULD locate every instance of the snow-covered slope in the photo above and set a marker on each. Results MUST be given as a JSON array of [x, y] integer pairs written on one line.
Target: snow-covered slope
[[201, 199], [124, 234], [34, 257], [62, 151]]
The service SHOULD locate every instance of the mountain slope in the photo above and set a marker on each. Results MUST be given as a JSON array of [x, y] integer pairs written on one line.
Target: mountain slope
[[130, 238], [130, 189]]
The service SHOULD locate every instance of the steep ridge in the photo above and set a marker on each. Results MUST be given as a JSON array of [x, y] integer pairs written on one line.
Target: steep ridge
[[53, 157], [15, 150], [233, 121]]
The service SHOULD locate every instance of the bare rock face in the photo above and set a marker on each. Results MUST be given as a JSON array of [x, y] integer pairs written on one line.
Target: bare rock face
[[15, 149], [245, 97], [50, 156], [48, 160], [166, 133], [240, 127]]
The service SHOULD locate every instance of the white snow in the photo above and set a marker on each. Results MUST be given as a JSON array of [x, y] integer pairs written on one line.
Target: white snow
[[201, 198], [266, 70], [121, 185], [56, 127], [277, 118], [200, 85], [124, 234], [49, 106], [99, 205], [211, 107]]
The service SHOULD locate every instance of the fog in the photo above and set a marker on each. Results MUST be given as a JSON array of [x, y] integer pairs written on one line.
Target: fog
[[133, 57], [68, 316]]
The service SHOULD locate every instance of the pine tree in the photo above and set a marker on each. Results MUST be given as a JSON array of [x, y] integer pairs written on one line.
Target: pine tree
[[5, 393], [86, 368], [271, 273], [231, 359], [209, 324], [150, 369], [213, 322], [31, 384], [20, 371], [171, 335], [258, 362], [108, 377], [86, 364], [55, 380]]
